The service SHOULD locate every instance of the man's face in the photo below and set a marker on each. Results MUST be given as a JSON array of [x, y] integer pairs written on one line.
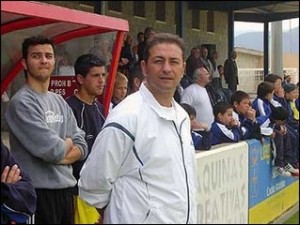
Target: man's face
[[94, 82], [164, 68], [204, 77], [39, 62]]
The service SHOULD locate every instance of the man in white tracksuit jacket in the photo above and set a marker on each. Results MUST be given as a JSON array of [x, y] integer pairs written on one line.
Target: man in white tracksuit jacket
[[142, 166]]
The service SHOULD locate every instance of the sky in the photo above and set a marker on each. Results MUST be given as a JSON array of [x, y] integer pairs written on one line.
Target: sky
[[242, 27]]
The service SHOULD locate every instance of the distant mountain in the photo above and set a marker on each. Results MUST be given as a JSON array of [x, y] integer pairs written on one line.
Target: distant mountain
[[254, 40]]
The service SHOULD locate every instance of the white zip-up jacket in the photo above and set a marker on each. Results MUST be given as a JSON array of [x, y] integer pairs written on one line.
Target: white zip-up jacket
[[142, 165]]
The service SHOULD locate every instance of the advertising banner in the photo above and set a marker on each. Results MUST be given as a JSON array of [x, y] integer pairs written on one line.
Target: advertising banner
[[270, 195], [63, 85], [263, 179], [223, 185]]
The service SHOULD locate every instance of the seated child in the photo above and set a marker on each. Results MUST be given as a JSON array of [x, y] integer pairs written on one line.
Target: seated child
[[225, 128], [201, 142], [246, 115], [291, 94], [262, 106], [280, 100], [280, 138], [282, 147]]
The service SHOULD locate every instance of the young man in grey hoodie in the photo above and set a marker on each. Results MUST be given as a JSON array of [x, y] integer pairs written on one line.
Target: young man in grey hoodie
[[44, 135]]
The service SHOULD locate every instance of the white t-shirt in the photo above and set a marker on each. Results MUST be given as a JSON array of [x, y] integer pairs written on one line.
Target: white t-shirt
[[197, 96]]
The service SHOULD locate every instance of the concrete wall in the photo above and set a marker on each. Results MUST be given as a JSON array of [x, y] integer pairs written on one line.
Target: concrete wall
[[192, 37], [247, 58]]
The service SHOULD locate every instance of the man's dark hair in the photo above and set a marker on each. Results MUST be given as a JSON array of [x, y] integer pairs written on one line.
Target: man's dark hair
[[85, 62], [160, 38], [32, 41]]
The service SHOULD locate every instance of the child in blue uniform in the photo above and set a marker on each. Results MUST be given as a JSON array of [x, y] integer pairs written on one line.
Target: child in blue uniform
[[202, 141], [225, 128]]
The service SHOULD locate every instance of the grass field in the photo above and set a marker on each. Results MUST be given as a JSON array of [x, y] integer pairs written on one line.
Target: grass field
[[293, 220]]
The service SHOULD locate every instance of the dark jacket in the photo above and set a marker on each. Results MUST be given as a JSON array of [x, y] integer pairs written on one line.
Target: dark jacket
[[90, 118], [18, 200], [231, 73]]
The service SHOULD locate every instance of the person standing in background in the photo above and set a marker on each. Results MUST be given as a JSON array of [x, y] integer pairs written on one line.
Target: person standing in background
[[193, 62], [135, 79], [89, 112], [149, 32], [222, 77], [133, 175], [140, 38], [216, 80], [65, 68], [231, 72], [44, 137], [127, 57]]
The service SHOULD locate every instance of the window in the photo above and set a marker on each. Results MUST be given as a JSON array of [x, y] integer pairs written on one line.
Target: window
[[139, 8], [161, 10], [89, 3], [210, 21], [115, 6], [195, 19]]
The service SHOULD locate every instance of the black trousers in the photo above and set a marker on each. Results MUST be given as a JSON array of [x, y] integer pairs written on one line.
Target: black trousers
[[54, 206]]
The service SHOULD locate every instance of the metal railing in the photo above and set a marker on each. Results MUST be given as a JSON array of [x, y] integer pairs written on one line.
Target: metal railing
[[249, 78]]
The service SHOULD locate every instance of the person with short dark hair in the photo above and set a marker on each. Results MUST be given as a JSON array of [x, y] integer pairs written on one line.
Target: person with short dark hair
[[231, 72], [202, 141], [291, 94], [89, 113], [133, 175], [222, 77], [246, 115], [148, 32], [262, 106], [135, 79], [140, 38], [225, 129], [44, 136]]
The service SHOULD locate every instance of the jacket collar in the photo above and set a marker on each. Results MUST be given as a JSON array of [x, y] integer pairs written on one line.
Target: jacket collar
[[156, 107]]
